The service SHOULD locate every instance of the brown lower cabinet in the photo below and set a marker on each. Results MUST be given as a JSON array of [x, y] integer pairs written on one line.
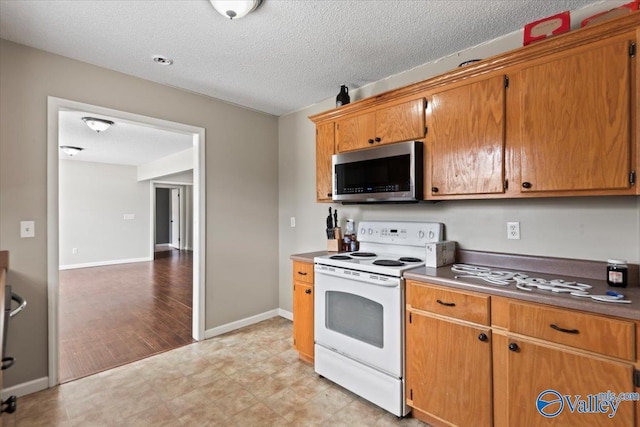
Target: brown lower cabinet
[[303, 310], [463, 369]]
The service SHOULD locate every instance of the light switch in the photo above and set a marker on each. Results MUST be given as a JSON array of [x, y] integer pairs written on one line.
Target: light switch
[[129, 216], [27, 229], [293, 221]]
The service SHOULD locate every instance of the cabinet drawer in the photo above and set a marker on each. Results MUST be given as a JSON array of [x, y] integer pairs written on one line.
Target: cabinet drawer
[[573, 328], [448, 302], [303, 271]]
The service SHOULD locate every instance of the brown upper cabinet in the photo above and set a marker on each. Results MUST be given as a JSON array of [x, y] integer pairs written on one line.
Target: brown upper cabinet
[[466, 139], [324, 150], [558, 117], [572, 115], [386, 125]]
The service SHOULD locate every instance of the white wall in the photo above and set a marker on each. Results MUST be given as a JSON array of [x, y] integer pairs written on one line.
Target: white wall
[[172, 164], [93, 199], [594, 228]]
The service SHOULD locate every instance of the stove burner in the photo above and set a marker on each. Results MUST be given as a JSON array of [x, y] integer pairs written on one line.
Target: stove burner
[[341, 257], [363, 254], [410, 259], [388, 262]]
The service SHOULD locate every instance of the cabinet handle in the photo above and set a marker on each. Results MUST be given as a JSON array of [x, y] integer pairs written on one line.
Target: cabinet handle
[[371, 141], [378, 139], [514, 347], [526, 184], [301, 273], [566, 331], [329, 194], [307, 291], [483, 337], [448, 304], [434, 189]]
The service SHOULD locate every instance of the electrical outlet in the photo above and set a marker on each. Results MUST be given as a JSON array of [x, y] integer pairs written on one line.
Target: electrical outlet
[[513, 230], [293, 221]]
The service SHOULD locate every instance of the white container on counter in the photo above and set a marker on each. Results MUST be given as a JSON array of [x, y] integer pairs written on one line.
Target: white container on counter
[[440, 253]]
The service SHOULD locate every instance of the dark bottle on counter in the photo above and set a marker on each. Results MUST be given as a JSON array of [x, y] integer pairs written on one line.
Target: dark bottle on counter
[[343, 97], [617, 273]]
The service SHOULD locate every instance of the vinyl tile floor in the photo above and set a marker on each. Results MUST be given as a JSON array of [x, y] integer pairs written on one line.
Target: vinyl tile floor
[[249, 377]]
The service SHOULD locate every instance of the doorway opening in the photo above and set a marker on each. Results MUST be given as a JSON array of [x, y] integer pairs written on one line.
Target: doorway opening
[[172, 217], [90, 220]]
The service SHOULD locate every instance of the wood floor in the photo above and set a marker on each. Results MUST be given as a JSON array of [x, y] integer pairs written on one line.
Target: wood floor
[[113, 315]]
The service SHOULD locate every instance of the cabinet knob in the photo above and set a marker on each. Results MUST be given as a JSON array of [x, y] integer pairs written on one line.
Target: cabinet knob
[[370, 141], [378, 139], [513, 347], [307, 291], [526, 184], [434, 189], [483, 337]]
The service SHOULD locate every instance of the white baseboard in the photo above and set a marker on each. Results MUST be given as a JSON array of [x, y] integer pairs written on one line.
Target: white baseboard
[[26, 388], [223, 329], [103, 263], [286, 314]]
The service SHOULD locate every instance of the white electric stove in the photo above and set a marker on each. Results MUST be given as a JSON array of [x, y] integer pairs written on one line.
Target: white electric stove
[[359, 310]]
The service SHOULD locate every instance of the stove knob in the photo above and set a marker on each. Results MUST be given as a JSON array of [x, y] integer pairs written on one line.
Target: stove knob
[[432, 235], [363, 231], [370, 231], [420, 234]]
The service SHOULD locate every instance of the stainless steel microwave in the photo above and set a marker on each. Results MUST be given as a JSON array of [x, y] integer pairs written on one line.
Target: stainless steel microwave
[[384, 174]]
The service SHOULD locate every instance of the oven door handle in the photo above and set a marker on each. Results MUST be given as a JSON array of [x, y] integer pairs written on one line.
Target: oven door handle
[[17, 298]]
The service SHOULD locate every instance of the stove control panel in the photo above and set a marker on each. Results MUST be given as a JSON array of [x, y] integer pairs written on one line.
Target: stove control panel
[[403, 233]]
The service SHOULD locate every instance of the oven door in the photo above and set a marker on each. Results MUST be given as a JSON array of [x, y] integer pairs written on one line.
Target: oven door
[[359, 315]]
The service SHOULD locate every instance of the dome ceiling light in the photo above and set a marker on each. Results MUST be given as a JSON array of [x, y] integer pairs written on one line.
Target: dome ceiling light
[[98, 125], [235, 9], [70, 150]]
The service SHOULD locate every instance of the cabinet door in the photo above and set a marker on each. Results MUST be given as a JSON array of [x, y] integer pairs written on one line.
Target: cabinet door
[[449, 370], [402, 122], [324, 151], [532, 369], [355, 133], [467, 139], [574, 121], [303, 319]]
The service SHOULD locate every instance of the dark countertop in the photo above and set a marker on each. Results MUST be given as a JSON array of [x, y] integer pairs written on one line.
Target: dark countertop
[[308, 257], [445, 277], [552, 268]]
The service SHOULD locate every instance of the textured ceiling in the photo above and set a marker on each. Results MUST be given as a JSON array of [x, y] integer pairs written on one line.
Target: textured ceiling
[[286, 55]]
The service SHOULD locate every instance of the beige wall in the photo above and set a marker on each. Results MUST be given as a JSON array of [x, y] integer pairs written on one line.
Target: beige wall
[[241, 180], [585, 228], [93, 199]]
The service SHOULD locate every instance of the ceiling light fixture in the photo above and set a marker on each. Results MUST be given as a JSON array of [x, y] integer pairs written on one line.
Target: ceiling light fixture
[[99, 125], [70, 151], [162, 60], [235, 9]]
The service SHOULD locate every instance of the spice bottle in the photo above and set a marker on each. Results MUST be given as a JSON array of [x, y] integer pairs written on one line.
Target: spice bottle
[[617, 273]]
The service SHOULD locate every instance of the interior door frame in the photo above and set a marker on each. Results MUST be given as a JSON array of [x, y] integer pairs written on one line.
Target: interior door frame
[[172, 239], [54, 106], [181, 186]]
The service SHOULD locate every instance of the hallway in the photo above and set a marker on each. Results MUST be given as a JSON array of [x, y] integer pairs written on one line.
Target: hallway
[[113, 315]]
